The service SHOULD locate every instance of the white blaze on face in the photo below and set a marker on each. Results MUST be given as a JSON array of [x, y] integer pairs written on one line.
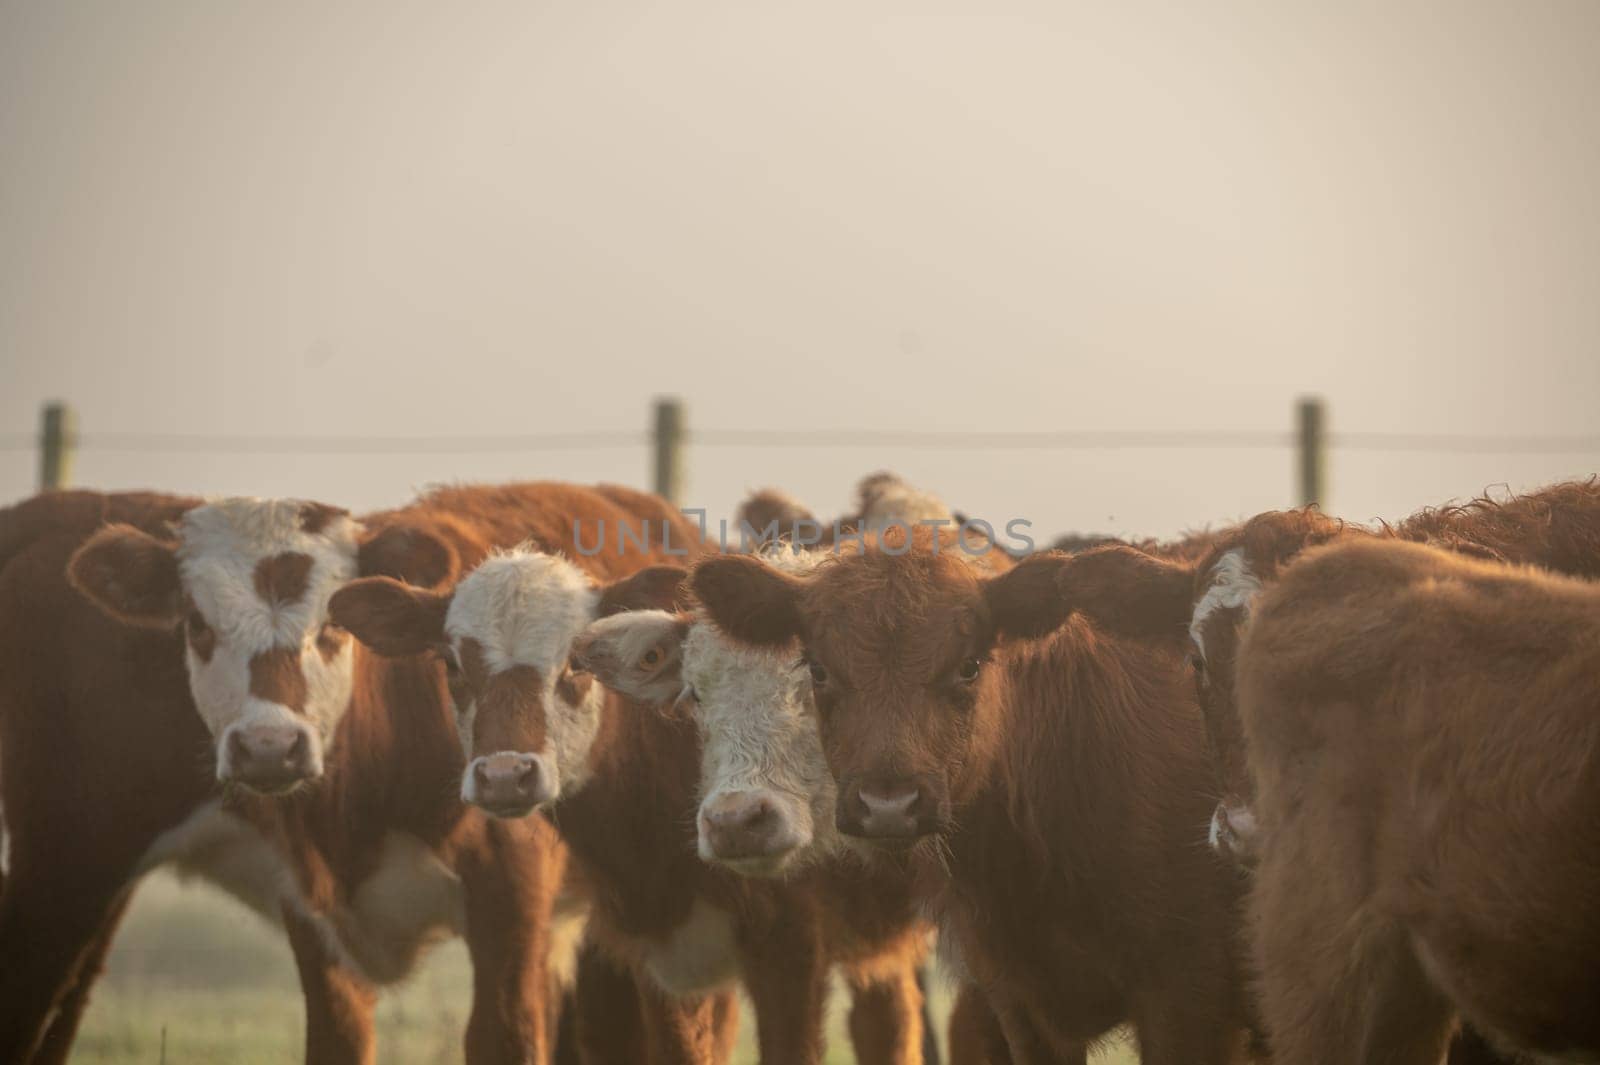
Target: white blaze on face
[[220, 547], [1233, 587], [524, 608]]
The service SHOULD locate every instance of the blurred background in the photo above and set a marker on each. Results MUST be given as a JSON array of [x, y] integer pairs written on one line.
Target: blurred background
[[1069, 262]]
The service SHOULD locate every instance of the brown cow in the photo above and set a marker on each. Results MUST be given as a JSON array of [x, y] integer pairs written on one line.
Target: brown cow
[[1131, 592], [1046, 792], [1424, 736], [375, 861], [621, 778], [86, 784]]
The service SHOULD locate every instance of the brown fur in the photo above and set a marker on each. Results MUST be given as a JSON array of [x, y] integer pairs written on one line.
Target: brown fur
[[84, 788], [1153, 594], [276, 677], [1423, 735], [111, 702], [1058, 792], [282, 579]]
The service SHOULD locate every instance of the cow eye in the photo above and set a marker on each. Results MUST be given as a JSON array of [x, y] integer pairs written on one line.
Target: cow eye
[[196, 623], [819, 675], [652, 658], [968, 670], [1197, 663]]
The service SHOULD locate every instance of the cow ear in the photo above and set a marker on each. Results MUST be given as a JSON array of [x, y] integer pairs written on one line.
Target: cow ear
[[637, 652], [1023, 601], [748, 599], [392, 618], [652, 588], [130, 575], [1129, 592], [407, 553]]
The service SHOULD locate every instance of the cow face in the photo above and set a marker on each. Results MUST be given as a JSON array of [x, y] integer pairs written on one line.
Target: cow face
[[899, 649], [1228, 587], [526, 716], [766, 799], [247, 582]]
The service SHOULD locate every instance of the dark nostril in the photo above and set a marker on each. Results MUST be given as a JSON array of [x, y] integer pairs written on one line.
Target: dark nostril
[[528, 779], [480, 772], [236, 747], [297, 750], [757, 814]]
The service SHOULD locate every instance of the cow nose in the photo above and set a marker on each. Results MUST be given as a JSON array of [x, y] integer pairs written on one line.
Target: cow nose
[[888, 811], [1233, 833], [270, 758], [510, 784], [744, 825]]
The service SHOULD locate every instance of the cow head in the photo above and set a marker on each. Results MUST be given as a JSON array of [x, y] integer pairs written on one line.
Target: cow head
[[766, 799], [899, 642], [527, 716], [1133, 593], [248, 582]]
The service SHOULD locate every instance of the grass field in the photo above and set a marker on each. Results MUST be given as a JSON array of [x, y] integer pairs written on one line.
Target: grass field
[[218, 983]]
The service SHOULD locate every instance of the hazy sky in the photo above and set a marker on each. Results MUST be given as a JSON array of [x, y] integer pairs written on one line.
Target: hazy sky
[[409, 219]]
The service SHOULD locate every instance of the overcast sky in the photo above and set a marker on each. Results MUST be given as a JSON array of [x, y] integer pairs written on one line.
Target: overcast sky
[[382, 219]]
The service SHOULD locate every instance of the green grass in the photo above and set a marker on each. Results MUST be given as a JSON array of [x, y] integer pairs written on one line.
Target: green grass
[[219, 985]]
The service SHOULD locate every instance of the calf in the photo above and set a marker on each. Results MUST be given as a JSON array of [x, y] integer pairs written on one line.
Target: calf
[[374, 861], [766, 799], [1423, 735], [620, 779], [1045, 793]]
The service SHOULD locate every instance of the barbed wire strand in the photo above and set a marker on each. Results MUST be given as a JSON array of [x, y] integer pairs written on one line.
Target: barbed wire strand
[[1063, 440]]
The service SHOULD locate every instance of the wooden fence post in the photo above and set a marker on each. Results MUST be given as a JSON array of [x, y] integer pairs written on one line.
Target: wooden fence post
[[1313, 425], [669, 437], [58, 439]]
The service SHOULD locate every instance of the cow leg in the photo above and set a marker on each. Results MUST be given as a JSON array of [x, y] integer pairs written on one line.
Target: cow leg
[[50, 921], [339, 1002], [608, 1018], [509, 886], [63, 1030], [976, 1037], [1025, 1043], [687, 1030], [786, 977], [886, 1017]]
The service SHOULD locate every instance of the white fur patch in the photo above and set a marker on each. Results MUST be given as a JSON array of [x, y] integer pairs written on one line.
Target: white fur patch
[[410, 901], [226, 851], [758, 732], [699, 955], [219, 546], [1232, 586], [524, 608]]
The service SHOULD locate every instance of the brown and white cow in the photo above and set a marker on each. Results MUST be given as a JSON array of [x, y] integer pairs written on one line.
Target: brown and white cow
[[765, 796], [1045, 791], [621, 780], [1424, 736], [374, 860]]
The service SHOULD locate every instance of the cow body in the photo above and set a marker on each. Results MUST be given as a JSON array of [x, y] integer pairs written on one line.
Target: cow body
[[1045, 795], [1424, 740]]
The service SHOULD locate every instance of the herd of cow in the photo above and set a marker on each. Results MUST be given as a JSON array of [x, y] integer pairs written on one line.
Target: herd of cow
[[1295, 790]]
